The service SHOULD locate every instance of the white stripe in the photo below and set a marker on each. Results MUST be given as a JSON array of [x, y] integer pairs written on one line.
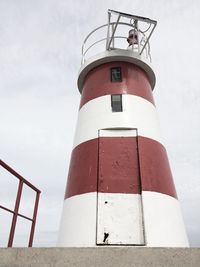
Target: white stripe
[[163, 221], [118, 133], [78, 222], [138, 113], [79, 218]]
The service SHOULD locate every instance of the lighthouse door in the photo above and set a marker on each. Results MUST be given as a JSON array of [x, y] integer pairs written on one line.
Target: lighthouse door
[[119, 208]]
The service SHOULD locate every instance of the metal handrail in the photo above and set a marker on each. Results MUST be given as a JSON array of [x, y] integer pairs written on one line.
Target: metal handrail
[[15, 212], [96, 29], [143, 47], [101, 40]]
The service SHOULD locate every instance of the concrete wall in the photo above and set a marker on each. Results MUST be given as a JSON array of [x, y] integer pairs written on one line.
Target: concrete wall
[[96, 257]]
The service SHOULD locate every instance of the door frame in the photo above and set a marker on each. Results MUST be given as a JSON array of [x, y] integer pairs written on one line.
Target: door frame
[[140, 178]]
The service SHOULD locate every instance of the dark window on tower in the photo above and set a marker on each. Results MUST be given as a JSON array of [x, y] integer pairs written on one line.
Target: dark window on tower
[[116, 103], [116, 75]]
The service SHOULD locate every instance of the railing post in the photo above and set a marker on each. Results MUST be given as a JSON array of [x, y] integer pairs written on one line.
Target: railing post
[[108, 31], [34, 219], [15, 214], [113, 32]]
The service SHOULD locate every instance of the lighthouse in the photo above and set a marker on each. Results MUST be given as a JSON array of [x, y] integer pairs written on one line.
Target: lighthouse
[[120, 190]]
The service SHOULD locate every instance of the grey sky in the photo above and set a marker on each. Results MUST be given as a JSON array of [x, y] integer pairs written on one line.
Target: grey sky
[[40, 43]]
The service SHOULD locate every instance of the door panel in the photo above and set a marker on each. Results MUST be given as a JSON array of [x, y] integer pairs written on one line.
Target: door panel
[[119, 210]]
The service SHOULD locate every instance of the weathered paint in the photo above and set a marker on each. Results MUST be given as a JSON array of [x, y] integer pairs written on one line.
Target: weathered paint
[[118, 166], [96, 114], [163, 224], [119, 216], [134, 82], [154, 166], [119, 219]]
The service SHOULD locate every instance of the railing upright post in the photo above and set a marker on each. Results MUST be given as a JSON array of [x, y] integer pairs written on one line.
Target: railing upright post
[[15, 214], [34, 219], [113, 33], [108, 31]]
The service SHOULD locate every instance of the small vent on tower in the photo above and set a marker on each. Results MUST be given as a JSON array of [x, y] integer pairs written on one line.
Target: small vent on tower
[[116, 103], [116, 75]]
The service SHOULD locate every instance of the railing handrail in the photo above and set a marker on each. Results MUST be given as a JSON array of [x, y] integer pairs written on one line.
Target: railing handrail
[[15, 211], [21, 178], [96, 29], [85, 50]]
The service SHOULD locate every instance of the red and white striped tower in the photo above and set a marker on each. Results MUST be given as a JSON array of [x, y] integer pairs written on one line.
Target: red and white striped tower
[[120, 190]]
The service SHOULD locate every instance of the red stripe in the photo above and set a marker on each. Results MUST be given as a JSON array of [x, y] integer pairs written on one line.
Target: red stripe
[[82, 177], [118, 165], [154, 167], [98, 82]]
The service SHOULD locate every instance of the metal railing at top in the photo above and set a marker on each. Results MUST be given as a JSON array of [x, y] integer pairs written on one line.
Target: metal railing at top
[[15, 211], [136, 48], [111, 36]]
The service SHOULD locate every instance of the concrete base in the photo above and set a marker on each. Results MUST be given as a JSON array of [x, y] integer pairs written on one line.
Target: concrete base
[[94, 257]]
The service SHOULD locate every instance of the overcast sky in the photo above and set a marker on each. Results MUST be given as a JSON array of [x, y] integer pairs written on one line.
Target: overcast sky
[[40, 54]]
